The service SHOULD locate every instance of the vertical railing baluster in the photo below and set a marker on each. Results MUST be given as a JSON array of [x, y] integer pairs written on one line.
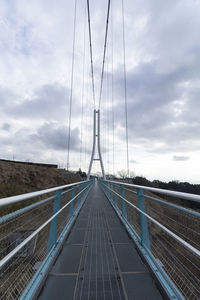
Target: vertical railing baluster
[[71, 209], [106, 189], [123, 204], [115, 196], [143, 220], [110, 191], [54, 223], [112, 194], [79, 196]]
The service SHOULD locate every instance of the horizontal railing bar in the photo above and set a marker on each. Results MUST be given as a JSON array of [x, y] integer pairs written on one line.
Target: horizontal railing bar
[[183, 209], [22, 197], [130, 191], [67, 191], [23, 210], [176, 237], [31, 236], [187, 196], [27, 208]]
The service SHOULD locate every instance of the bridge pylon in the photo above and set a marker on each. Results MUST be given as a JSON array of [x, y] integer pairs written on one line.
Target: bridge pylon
[[96, 138]]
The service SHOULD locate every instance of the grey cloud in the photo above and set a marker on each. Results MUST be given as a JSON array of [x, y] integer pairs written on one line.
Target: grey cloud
[[133, 161], [161, 109], [55, 137], [6, 127], [180, 158], [48, 102]]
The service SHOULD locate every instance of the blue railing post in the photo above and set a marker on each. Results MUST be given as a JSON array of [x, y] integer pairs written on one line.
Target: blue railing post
[[143, 220], [111, 193], [71, 209], [115, 196], [106, 189], [54, 223], [79, 196], [123, 212], [85, 192]]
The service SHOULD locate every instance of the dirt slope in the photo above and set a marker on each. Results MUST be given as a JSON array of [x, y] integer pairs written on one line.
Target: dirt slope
[[16, 178]]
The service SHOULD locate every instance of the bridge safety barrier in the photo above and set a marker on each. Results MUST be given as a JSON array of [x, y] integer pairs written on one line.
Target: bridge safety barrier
[[166, 234], [33, 227]]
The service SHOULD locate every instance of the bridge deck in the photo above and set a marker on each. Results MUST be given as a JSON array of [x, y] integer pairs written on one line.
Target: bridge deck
[[99, 260]]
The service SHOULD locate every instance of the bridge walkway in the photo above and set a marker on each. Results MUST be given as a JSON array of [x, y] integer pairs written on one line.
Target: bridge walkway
[[99, 259]]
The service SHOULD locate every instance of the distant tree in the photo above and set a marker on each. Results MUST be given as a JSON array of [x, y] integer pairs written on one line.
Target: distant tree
[[160, 184], [141, 181], [81, 173], [122, 174]]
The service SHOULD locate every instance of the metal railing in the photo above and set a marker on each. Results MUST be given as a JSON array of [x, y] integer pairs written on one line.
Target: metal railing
[[166, 234], [33, 227]]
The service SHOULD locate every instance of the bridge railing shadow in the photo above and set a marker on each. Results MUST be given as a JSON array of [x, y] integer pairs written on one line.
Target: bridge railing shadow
[[166, 234], [32, 234]]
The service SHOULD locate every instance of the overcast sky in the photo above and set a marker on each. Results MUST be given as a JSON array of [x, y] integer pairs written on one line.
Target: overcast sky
[[163, 85]]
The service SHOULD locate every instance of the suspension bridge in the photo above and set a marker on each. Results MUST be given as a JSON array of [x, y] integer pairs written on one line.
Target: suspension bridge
[[99, 239]]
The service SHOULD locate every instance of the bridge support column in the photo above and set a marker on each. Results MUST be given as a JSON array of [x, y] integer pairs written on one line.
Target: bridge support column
[[143, 220], [53, 227], [96, 136]]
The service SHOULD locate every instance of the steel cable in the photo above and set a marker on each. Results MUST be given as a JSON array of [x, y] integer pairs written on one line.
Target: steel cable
[[72, 81], [91, 56], [83, 88], [104, 52], [125, 88], [112, 92]]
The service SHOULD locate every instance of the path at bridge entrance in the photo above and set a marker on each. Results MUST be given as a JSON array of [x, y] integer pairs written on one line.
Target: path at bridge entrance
[[98, 259]]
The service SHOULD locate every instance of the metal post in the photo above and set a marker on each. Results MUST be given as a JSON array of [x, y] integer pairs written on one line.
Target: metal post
[[107, 190], [124, 214], [71, 209], [53, 227], [79, 196], [94, 145], [143, 220], [96, 134], [112, 194], [99, 148], [115, 196]]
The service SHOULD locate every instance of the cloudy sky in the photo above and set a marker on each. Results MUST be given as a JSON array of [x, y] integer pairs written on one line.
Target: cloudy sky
[[163, 85]]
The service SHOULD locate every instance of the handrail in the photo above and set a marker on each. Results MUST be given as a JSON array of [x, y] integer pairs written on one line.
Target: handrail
[[27, 208], [169, 204], [175, 236], [33, 235], [167, 237], [22, 197], [30, 237], [187, 196]]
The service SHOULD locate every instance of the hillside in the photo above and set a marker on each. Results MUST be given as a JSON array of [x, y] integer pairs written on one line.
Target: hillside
[[18, 178]]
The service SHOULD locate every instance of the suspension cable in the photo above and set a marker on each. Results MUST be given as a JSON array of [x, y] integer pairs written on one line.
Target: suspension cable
[[112, 92], [125, 88], [86, 109], [91, 57], [72, 81], [83, 88], [104, 52]]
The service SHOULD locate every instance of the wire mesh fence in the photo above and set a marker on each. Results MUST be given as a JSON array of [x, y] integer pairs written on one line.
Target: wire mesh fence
[[165, 224], [18, 271]]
